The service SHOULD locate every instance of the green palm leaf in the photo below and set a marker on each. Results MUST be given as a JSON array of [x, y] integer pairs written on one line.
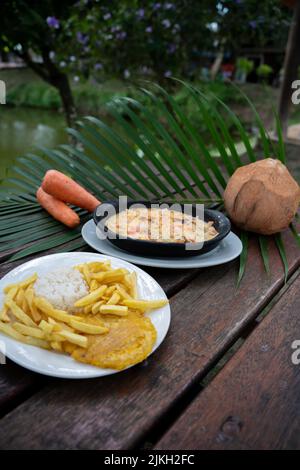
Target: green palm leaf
[[263, 243], [152, 151], [282, 252], [243, 257]]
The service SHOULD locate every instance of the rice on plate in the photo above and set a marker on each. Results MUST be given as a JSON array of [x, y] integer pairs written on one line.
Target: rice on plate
[[62, 288]]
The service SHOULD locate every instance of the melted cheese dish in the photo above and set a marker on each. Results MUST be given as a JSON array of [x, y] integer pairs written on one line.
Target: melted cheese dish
[[161, 225]]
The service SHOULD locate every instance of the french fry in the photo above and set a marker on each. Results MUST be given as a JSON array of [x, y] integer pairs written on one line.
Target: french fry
[[110, 276], [94, 284], [28, 330], [46, 327], [114, 299], [133, 289], [10, 331], [98, 276], [74, 338], [68, 347], [86, 273], [110, 290], [120, 310], [19, 313], [92, 297], [11, 295], [29, 294], [57, 326], [3, 314], [144, 305], [88, 328], [87, 309], [123, 293], [21, 284], [39, 343], [96, 266], [47, 308], [96, 306], [20, 297], [56, 346]]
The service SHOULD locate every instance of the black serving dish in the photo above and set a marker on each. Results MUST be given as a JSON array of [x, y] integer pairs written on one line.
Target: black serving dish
[[161, 249]]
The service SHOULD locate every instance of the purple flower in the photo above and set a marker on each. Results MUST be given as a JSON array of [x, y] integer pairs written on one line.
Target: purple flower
[[72, 58], [98, 66], [171, 48], [169, 6], [126, 73], [115, 28], [62, 64], [253, 24], [145, 70], [76, 79], [52, 22], [166, 23], [149, 29], [168, 73], [107, 16], [156, 6], [52, 55], [140, 13], [122, 35], [176, 28], [82, 38]]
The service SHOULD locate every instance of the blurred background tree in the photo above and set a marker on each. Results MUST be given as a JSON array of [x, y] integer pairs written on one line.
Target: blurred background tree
[[31, 29]]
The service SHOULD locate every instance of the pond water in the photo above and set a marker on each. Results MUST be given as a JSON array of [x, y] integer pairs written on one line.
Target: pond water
[[21, 129]]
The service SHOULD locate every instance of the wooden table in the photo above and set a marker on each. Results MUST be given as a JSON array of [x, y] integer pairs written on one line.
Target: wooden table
[[222, 379]]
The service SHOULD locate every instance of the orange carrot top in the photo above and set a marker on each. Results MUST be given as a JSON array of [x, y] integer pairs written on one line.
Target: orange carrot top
[[64, 188], [58, 209]]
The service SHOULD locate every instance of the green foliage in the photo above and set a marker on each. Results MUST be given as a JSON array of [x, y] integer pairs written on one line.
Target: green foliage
[[244, 65], [36, 94], [264, 71], [130, 38], [151, 152]]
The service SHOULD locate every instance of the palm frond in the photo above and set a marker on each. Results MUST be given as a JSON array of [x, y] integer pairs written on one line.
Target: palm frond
[[263, 244], [282, 253], [295, 233], [153, 152], [243, 256]]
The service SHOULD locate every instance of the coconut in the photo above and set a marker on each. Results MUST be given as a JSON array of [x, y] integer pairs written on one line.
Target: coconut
[[262, 197]]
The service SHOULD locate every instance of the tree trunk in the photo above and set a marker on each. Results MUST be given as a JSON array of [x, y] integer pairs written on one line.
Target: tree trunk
[[290, 68], [49, 72], [61, 82], [217, 64]]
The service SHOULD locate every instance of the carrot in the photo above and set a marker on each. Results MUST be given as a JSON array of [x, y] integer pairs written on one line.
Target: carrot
[[58, 209], [64, 188]]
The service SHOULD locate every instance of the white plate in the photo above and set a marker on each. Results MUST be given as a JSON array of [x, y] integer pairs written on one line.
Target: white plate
[[61, 365], [227, 250]]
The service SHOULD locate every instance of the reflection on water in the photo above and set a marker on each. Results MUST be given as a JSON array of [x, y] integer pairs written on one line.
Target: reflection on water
[[21, 129]]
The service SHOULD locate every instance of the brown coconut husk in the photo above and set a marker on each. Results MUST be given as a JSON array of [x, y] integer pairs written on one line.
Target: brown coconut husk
[[262, 197]]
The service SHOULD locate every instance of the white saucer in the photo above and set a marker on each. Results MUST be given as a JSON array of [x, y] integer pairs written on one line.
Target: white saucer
[[228, 249]]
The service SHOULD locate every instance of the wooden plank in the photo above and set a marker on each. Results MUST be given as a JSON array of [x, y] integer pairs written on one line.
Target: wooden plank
[[119, 411], [14, 382], [254, 401]]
